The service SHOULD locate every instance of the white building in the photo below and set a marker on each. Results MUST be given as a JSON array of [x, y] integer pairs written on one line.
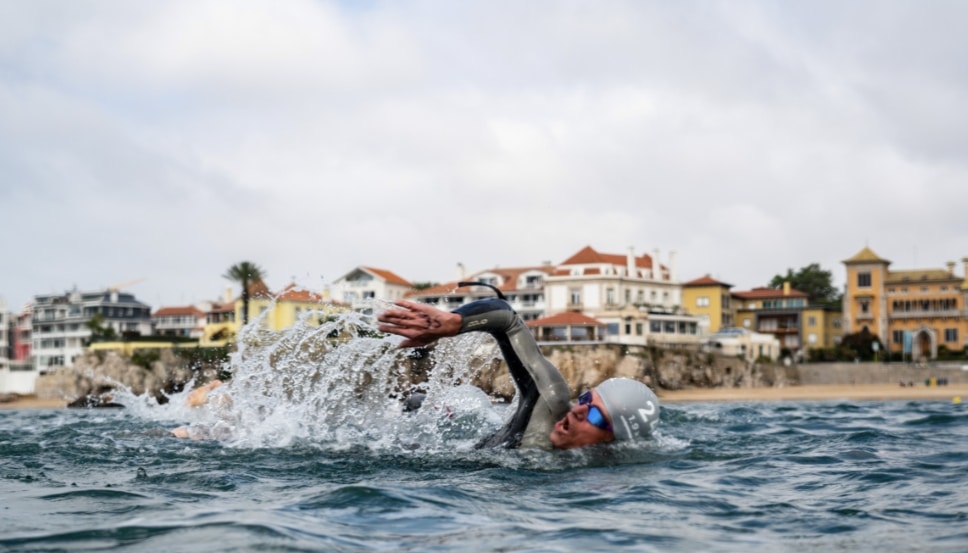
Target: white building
[[60, 323], [740, 342], [523, 287], [638, 298], [361, 284], [184, 321]]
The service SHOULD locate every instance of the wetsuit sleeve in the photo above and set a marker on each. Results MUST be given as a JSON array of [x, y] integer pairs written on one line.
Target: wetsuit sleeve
[[543, 395]]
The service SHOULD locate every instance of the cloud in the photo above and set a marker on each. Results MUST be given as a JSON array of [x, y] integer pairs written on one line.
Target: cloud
[[171, 140]]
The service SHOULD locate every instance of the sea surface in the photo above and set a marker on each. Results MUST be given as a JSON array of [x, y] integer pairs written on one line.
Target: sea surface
[[824, 476], [307, 449]]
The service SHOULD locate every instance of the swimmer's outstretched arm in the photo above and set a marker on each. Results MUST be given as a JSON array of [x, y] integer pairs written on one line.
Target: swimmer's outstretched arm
[[419, 323], [537, 380]]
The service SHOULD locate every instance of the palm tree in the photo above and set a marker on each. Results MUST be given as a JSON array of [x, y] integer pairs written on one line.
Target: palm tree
[[245, 273]]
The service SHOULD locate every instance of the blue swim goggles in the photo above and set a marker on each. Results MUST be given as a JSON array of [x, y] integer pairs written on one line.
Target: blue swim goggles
[[595, 415]]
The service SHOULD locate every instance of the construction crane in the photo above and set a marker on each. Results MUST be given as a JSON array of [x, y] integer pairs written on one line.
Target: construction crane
[[119, 287]]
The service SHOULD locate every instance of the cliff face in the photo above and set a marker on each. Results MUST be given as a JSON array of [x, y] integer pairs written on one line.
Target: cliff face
[[94, 375], [586, 366]]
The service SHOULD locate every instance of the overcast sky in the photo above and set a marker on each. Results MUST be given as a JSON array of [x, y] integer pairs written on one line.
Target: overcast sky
[[169, 140]]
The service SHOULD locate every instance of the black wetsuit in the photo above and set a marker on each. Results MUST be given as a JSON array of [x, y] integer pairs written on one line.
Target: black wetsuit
[[543, 396]]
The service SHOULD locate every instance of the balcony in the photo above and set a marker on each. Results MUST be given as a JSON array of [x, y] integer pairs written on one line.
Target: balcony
[[935, 314]]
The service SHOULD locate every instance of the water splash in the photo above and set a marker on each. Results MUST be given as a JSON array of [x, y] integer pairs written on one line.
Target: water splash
[[339, 384]]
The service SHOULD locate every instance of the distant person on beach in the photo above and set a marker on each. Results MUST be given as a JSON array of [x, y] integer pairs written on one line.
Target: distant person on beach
[[619, 409]]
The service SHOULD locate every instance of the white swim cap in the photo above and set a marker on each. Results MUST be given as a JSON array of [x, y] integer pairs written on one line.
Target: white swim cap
[[632, 405]]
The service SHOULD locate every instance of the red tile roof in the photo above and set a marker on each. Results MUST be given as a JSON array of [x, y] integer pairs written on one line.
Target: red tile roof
[[223, 308], [706, 281], [589, 256], [509, 276], [566, 318], [388, 276], [292, 292], [769, 293], [178, 311]]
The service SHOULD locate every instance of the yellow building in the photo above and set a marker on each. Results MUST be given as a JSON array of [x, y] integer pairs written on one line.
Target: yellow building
[[914, 312], [787, 314], [712, 301]]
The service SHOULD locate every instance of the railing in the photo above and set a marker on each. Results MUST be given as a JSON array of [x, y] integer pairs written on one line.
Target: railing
[[957, 313]]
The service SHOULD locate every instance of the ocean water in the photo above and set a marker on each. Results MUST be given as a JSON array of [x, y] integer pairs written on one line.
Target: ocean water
[[307, 449]]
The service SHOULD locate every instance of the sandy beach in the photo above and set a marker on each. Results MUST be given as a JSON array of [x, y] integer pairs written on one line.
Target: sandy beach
[[871, 392]]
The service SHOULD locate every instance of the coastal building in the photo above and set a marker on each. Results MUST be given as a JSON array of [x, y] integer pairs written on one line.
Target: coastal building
[[20, 337], [61, 324], [220, 326], [788, 315], [186, 321], [567, 326], [6, 325], [363, 284], [522, 286], [711, 301], [293, 303], [16, 376], [913, 312], [638, 298], [743, 343]]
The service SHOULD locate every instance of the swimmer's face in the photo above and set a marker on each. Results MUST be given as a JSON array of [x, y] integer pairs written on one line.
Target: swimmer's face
[[575, 430]]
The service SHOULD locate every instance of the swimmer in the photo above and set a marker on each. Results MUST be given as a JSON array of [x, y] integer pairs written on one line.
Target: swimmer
[[619, 409], [197, 398]]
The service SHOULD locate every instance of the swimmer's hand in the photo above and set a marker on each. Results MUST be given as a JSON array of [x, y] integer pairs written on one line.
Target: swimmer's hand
[[419, 323], [199, 396]]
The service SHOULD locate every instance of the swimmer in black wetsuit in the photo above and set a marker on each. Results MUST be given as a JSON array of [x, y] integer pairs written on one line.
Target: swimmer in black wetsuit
[[617, 409]]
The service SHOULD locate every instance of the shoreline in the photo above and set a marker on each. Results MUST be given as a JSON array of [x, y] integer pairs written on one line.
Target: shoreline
[[832, 392], [829, 392]]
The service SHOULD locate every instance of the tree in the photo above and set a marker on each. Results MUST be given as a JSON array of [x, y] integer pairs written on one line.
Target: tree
[[812, 280], [100, 332], [424, 285], [245, 273]]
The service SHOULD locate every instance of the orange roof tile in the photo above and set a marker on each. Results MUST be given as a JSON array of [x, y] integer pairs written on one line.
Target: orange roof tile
[[566, 318], [769, 293], [588, 255], [707, 281], [177, 311], [293, 292], [388, 276]]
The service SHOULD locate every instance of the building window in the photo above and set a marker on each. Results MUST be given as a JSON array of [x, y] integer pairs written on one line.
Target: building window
[[951, 335], [576, 296], [610, 296], [863, 280], [702, 301], [812, 338], [747, 323], [865, 306], [655, 327], [811, 321]]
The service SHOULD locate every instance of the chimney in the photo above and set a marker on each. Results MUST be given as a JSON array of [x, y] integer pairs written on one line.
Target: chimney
[[951, 267], [656, 266], [630, 263], [673, 266], [964, 260], [228, 294], [786, 287]]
